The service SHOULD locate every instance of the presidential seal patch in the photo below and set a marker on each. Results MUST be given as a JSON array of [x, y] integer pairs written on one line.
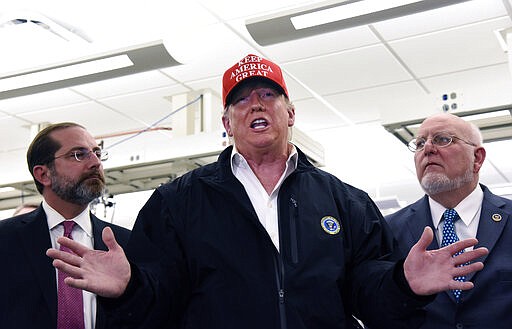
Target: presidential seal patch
[[330, 225]]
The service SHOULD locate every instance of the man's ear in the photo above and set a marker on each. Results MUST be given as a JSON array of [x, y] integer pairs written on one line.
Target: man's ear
[[42, 174], [227, 126], [291, 116], [479, 158]]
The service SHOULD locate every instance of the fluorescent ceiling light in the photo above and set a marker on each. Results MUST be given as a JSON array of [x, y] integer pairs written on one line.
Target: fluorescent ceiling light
[[6, 189], [495, 124], [107, 65], [309, 21], [65, 72], [488, 115], [345, 11]]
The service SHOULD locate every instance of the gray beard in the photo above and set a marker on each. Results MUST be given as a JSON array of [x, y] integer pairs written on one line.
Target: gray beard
[[81, 192], [433, 184]]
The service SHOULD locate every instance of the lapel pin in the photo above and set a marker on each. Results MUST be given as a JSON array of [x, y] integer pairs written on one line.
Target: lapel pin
[[496, 217]]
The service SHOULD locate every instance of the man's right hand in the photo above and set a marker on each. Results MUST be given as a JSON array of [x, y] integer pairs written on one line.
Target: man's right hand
[[105, 273]]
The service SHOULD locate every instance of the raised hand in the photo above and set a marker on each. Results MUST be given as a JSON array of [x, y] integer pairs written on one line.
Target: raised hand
[[432, 271], [105, 273]]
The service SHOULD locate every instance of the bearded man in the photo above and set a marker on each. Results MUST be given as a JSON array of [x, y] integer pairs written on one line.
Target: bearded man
[[66, 164]]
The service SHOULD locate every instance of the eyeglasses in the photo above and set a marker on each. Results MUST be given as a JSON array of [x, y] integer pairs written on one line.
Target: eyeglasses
[[439, 140], [85, 154]]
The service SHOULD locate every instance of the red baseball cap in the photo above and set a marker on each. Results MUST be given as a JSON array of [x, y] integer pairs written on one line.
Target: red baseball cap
[[249, 67]]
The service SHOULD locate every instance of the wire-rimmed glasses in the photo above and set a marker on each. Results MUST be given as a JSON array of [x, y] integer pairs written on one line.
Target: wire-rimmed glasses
[[83, 154], [439, 140]]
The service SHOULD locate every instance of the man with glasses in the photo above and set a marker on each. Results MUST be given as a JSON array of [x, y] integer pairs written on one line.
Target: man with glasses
[[66, 164], [448, 155]]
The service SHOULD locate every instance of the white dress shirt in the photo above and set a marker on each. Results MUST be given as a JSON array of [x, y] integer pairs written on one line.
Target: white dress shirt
[[82, 233], [264, 204], [469, 211]]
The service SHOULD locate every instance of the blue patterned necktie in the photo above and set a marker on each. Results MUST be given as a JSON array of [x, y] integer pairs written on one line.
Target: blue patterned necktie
[[449, 236]]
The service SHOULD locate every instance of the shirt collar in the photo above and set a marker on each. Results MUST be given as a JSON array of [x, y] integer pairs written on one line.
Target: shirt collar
[[238, 160], [54, 218], [466, 209]]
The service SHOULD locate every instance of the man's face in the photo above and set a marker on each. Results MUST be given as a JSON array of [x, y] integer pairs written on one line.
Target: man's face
[[441, 169], [78, 182], [259, 116]]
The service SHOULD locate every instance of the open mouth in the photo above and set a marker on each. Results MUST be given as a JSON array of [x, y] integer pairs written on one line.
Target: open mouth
[[259, 124]]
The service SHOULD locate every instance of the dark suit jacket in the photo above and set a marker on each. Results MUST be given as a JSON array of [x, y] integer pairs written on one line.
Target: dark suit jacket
[[28, 288], [489, 303]]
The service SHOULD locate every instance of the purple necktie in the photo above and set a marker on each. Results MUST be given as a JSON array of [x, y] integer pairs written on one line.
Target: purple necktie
[[70, 309]]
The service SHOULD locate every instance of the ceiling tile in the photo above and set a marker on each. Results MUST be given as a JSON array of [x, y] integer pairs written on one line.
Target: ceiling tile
[[348, 70], [453, 50], [478, 88], [440, 19], [97, 118], [146, 107], [328, 43], [39, 101], [398, 100]]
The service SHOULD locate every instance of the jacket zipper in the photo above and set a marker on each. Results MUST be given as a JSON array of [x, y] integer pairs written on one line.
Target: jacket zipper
[[279, 267], [293, 230]]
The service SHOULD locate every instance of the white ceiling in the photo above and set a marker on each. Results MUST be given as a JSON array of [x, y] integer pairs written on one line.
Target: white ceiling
[[345, 84]]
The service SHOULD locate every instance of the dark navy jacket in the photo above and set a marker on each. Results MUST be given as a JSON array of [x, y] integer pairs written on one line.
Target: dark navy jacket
[[201, 258], [489, 304]]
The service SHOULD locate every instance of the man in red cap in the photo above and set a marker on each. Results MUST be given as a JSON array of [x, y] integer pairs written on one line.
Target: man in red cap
[[262, 239]]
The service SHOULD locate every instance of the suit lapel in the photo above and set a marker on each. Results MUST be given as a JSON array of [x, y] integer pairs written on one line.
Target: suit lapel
[[493, 219], [420, 218], [492, 222], [35, 240]]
